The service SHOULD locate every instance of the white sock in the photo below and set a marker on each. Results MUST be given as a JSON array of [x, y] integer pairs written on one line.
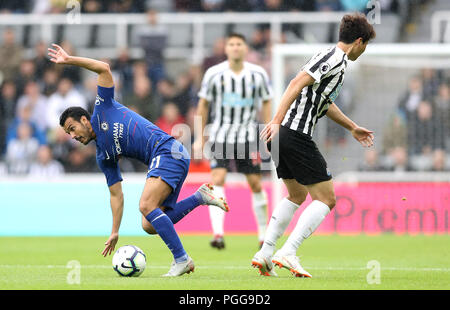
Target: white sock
[[279, 221], [217, 215], [259, 205], [308, 222]]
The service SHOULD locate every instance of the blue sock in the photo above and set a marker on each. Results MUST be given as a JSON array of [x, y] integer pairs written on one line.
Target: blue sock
[[164, 227], [183, 207]]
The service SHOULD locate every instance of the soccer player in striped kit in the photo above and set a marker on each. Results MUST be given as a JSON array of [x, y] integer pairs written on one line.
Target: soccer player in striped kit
[[237, 92], [309, 96]]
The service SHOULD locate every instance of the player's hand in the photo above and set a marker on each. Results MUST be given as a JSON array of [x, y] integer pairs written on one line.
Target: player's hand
[[270, 131], [57, 54], [197, 149], [110, 244], [363, 136]]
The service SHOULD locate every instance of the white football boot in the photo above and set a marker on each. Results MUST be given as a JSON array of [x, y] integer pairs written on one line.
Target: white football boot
[[210, 198], [291, 263], [178, 269], [264, 264]]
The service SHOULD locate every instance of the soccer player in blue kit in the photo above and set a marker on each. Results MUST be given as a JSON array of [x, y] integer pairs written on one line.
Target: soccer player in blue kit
[[117, 132]]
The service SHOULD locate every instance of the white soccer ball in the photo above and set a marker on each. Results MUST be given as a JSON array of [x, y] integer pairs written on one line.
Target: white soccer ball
[[129, 261]]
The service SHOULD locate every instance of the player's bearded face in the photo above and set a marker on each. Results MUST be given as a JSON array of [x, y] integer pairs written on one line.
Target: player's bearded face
[[80, 131]]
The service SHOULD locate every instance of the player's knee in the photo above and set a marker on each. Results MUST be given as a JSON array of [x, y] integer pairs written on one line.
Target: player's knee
[[145, 208], [330, 201]]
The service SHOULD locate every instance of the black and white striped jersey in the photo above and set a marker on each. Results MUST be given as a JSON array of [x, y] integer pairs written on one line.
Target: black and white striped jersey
[[235, 100], [327, 68]]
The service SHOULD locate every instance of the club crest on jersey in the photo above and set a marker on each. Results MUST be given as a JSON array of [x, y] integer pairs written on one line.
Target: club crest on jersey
[[104, 126], [324, 68], [98, 99]]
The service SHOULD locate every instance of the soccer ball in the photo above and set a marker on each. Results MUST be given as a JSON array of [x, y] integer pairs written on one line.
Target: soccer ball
[[129, 261]]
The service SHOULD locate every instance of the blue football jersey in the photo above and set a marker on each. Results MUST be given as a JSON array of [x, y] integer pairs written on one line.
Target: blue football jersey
[[122, 132]]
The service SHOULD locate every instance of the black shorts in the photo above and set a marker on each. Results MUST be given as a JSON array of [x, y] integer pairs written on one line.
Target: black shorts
[[245, 157], [299, 158]]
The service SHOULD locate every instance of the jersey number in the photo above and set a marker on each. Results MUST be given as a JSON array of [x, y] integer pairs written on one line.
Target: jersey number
[[155, 162]]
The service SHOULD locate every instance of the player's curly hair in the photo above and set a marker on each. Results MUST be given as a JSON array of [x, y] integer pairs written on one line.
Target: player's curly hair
[[354, 26], [74, 112]]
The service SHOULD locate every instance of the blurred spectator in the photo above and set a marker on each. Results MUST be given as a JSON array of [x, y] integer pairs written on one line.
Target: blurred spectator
[[166, 91], [49, 83], [442, 105], [398, 159], [14, 6], [395, 134], [123, 66], [371, 161], [45, 166], [24, 115], [412, 98], [187, 5], [37, 103], [82, 159], [430, 82], [185, 94], [439, 161], [126, 6], [72, 73], [42, 63], [141, 100], [170, 117], [8, 96], [237, 5], [218, 54], [153, 38], [66, 96], [11, 52], [41, 7], [61, 145], [27, 73], [21, 151], [211, 5], [425, 130]]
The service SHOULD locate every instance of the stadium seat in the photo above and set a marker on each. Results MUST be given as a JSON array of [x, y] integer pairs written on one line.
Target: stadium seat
[[106, 35]]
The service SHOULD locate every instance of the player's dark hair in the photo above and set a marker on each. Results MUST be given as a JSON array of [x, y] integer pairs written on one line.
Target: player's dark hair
[[354, 26], [236, 35], [74, 112]]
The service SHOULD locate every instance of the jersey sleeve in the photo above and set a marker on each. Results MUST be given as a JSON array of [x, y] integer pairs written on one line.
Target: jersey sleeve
[[266, 87], [206, 87], [105, 95], [111, 170], [321, 64]]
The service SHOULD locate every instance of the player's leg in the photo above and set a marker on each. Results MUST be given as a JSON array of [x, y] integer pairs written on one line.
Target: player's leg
[[155, 192], [324, 200], [259, 203], [216, 215], [279, 221]]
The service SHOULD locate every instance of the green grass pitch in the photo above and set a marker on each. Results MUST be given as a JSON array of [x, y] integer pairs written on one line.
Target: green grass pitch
[[336, 262]]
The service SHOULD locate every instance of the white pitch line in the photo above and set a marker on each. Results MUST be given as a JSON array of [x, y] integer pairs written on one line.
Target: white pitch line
[[233, 267]]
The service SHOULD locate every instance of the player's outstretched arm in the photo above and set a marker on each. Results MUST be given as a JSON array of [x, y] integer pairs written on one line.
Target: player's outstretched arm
[[116, 198], [59, 56], [361, 134]]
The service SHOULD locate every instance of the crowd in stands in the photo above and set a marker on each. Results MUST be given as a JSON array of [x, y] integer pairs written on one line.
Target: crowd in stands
[[140, 6], [417, 135], [34, 92]]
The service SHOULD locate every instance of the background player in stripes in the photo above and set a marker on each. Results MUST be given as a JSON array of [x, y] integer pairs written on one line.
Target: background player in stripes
[[309, 96], [235, 89]]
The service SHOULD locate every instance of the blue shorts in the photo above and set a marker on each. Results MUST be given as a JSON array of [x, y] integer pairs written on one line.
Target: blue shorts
[[171, 164]]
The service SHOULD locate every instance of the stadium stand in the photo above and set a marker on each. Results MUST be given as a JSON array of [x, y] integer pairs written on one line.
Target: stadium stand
[[171, 84]]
